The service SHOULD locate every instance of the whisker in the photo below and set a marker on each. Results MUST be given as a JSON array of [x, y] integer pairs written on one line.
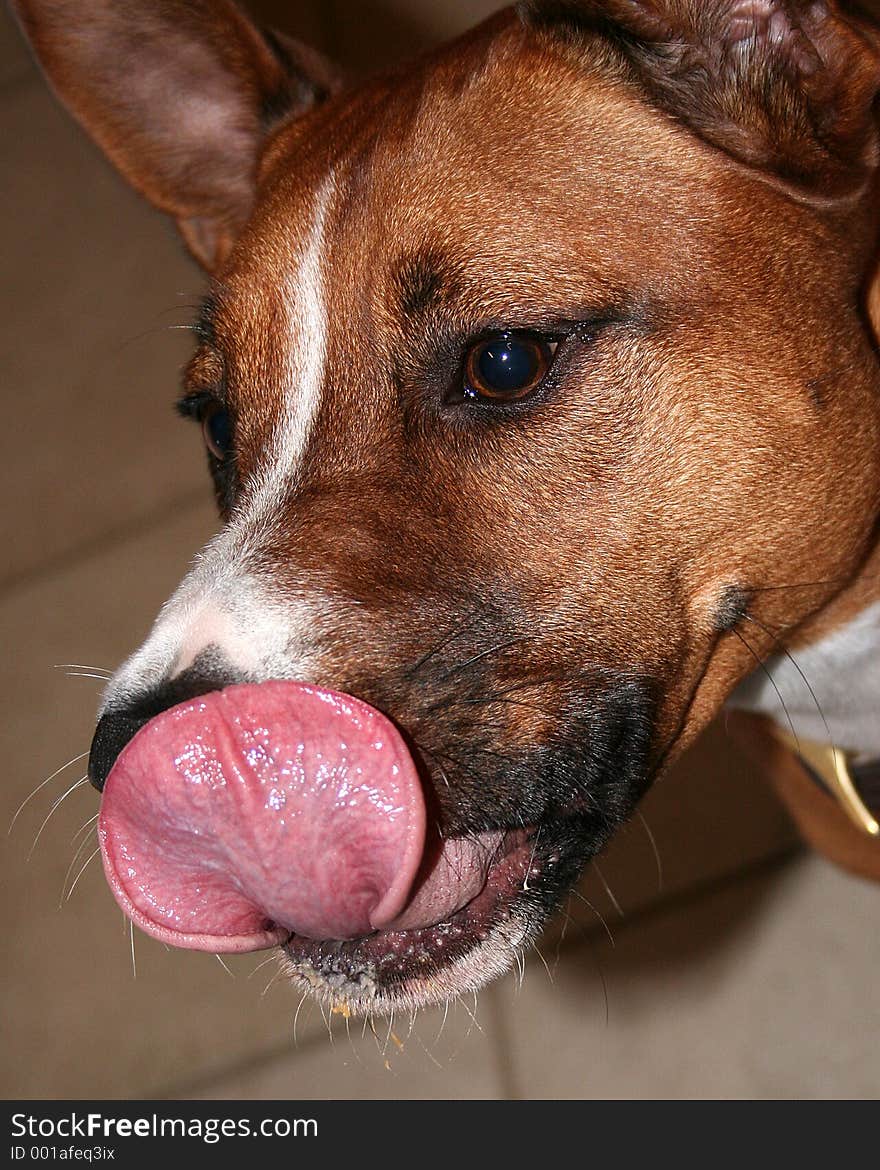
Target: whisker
[[224, 966], [474, 1022], [134, 970], [657, 861], [778, 641], [412, 1022], [611, 898], [457, 632], [430, 1055], [467, 771], [442, 1022], [83, 827], [537, 951], [525, 884], [527, 684], [604, 983], [328, 1020], [102, 670], [459, 667], [566, 918], [763, 667], [474, 994], [305, 996], [73, 861], [259, 967], [388, 1034], [271, 982], [78, 784], [351, 1043], [478, 748], [152, 332], [40, 787], [427, 752], [89, 860], [520, 962], [575, 893]]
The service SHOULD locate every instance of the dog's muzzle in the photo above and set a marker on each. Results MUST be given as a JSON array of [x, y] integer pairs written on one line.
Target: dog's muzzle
[[240, 818]]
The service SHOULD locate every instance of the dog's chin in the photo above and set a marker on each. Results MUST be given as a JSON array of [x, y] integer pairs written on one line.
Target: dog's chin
[[409, 969]]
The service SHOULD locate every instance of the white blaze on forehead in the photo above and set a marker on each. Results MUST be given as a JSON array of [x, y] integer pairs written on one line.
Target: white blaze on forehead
[[262, 497], [307, 317], [220, 603]]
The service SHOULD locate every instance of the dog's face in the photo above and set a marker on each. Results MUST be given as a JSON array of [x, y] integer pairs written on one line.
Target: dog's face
[[519, 397]]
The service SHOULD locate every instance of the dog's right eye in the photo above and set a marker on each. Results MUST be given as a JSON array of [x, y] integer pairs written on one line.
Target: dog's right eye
[[217, 429], [507, 366]]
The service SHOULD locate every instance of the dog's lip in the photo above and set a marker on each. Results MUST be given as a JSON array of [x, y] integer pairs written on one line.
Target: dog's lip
[[358, 974]]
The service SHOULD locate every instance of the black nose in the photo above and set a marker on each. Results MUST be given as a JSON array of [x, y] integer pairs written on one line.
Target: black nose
[[113, 732], [116, 727]]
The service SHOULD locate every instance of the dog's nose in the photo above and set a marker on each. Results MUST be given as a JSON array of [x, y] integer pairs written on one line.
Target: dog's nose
[[113, 732], [118, 725]]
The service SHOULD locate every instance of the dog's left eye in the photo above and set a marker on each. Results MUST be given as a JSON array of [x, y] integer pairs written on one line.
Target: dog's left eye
[[217, 429], [507, 366]]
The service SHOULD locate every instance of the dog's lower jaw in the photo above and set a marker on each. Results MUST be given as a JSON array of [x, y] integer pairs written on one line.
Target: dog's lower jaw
[[411, 969], [360, 993]]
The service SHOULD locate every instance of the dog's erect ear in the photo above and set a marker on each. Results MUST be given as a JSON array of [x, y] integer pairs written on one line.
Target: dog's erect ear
[[180, 94], [784, 85]]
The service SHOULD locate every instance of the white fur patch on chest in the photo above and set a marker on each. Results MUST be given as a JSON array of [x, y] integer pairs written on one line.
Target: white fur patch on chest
[[843, 670]]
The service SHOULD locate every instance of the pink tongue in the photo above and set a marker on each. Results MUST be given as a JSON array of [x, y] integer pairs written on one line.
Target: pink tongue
[[234, 819]]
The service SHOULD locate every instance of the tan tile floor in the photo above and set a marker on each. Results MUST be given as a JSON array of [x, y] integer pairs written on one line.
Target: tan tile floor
[[725, 978], [764, 989], [459, 1054], [97, 282]]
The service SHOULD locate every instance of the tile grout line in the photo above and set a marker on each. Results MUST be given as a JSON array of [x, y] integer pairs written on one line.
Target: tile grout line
[[137, 526]]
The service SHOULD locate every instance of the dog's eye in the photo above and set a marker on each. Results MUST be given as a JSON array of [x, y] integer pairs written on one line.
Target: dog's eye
[[507, 366], [217, 429]]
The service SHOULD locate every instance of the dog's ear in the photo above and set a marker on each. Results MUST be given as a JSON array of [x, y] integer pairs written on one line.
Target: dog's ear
[[787, 86], [180, 94]]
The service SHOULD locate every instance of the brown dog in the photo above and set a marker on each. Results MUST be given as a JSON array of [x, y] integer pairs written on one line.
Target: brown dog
[[541, 395]]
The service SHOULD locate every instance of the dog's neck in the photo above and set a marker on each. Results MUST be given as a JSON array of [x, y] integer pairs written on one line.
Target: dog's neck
[[825, 684]]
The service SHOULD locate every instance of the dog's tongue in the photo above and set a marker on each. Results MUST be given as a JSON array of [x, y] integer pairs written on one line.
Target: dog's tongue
[[234, 819]]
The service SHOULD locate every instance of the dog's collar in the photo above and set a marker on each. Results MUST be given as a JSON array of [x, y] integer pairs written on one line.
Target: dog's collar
[[854, 784]]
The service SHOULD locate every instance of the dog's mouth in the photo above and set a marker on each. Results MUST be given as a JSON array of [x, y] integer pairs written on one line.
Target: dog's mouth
[[411, 967], [280, 814]]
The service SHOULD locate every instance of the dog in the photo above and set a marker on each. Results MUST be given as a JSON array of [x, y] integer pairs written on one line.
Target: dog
[[540, 392]]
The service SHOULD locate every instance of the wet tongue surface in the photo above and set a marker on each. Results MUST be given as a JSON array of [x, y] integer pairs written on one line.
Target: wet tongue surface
[[234, 819]]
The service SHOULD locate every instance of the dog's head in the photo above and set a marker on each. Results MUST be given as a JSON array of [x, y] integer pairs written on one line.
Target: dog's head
[[528, 375]]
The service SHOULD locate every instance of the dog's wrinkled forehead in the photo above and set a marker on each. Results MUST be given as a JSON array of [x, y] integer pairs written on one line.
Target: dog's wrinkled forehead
[[382, 235]]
